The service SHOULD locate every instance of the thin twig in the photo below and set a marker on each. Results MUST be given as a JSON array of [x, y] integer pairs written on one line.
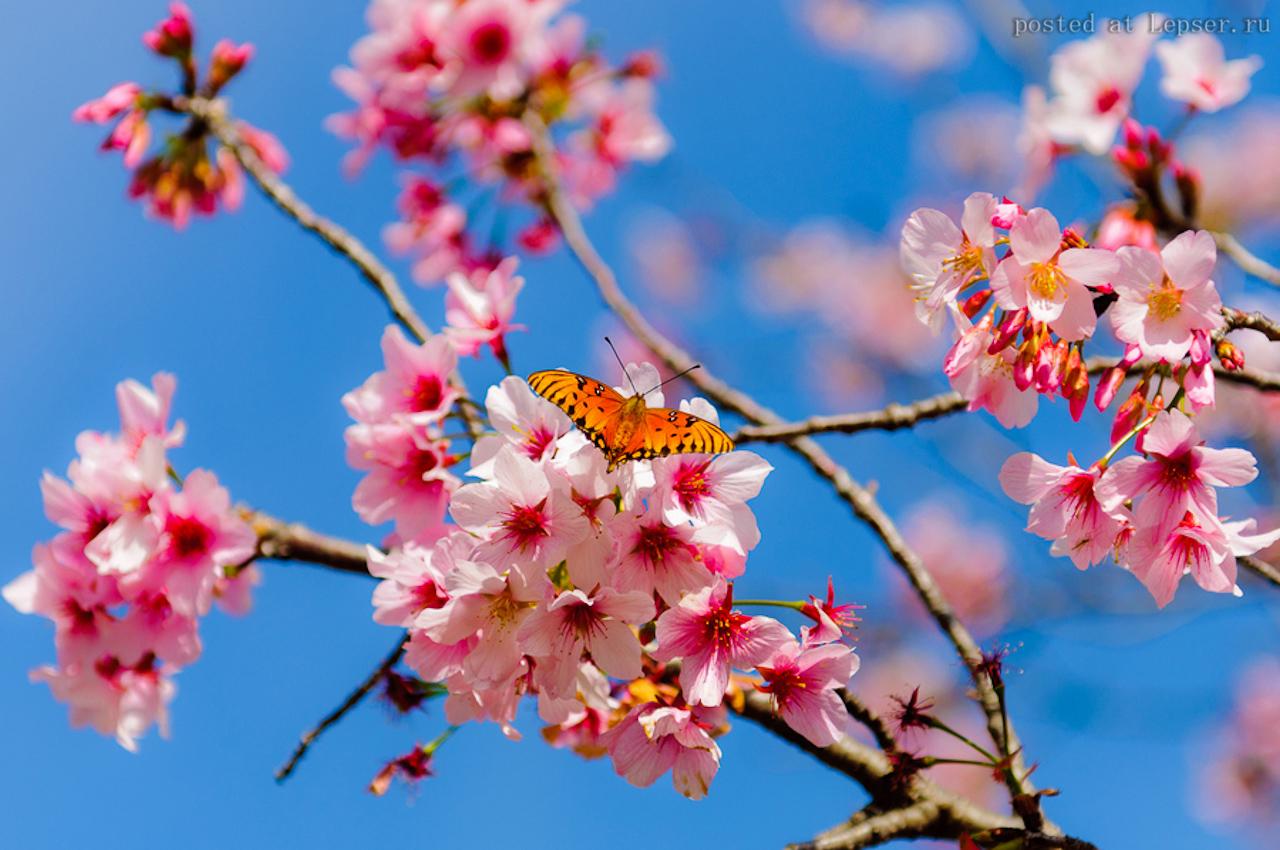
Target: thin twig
[[915, 821], [859, 499], [862, 713], [353, 699]]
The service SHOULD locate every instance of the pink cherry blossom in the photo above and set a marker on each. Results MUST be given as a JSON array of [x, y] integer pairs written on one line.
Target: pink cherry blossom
[[986, 379], [416, 383], [1203, 547], [432, 229], [802, 682], [573, 622], [525, 523], [943, 259], [199, 533], [712, 492], [485, 606], [1179, 476], [1065, 508], [654, 557], [408, 478], [653, 739], [173, 35], [412, 582], [831, 621], [1051, 282], [479, 308], [710, 638], [1165, 298], [1093, 81], [115, 700], [484, 42], [530, 423], [145, 412], [1196, 72]]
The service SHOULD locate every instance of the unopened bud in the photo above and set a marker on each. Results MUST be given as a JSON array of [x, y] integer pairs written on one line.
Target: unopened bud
[[1230, 355]]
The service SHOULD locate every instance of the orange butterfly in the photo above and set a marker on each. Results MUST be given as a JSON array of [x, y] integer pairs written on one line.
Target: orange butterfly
[[625, 428]]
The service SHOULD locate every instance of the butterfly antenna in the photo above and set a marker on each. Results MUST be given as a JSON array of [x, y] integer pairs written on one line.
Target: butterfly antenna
[[623, 365], [673, 377]]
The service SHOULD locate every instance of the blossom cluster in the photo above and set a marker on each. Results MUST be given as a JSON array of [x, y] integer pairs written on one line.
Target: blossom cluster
[[607, 595], [1092, 83], [139, 560], [182, 179], [438, 82], [1024, 305]]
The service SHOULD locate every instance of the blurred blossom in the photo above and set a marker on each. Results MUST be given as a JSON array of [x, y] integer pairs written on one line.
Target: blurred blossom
[[664, 251], [908, 39], [970, 142], [856, 289], [968, 561], [1240, 784], [1239, 166]]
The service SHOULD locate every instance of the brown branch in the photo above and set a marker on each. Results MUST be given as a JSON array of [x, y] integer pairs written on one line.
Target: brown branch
[[918, 820], [859, 499], [1260, 568], [891, 418], [1255, 321], [862, 713], [292, 541], [353, 699]]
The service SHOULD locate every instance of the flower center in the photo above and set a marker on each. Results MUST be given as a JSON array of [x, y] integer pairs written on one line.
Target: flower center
[[490, 43], [967, 263], [523, 525], [691, 484], [427, 595], [1045, 280], [655, 543], [721, 627], [581, 620], [427, 394], [536, 442], [188, 536], [1107, 99], [1165, 300]]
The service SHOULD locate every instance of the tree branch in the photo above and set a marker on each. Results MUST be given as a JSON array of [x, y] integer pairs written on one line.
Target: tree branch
[[859, 499], [353, 699], [1260, 568], [292, 541], [914, 821], [1248, 262], [892, 417], [1255, 321]]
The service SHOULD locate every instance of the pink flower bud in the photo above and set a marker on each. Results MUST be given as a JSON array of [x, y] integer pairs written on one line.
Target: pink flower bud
[[1024, 369], [1008, 331], [1230, 356], [1108, 386]]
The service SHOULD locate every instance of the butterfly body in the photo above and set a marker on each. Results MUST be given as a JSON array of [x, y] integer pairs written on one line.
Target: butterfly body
[[624, 428]]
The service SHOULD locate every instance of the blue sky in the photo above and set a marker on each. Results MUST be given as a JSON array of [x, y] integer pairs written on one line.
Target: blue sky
[[265, 330]]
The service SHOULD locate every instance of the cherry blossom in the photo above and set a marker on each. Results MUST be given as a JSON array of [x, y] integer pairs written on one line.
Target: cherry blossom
[[1051, 282], [802, 682], [574, 622], [1093, 81], [416, 383], [653, 739], [943, 259], [1065, 507], [710, 638], [1197, 72], [479, 308], [1166, 297]]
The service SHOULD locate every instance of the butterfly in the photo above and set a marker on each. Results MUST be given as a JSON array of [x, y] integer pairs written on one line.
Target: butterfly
[[625, 428]]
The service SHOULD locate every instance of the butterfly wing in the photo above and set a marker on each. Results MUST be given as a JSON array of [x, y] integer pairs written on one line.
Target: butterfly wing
[[591, 405], [668, 432]]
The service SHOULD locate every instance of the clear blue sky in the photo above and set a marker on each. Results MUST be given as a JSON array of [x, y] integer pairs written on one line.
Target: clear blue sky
[[265, 331]]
